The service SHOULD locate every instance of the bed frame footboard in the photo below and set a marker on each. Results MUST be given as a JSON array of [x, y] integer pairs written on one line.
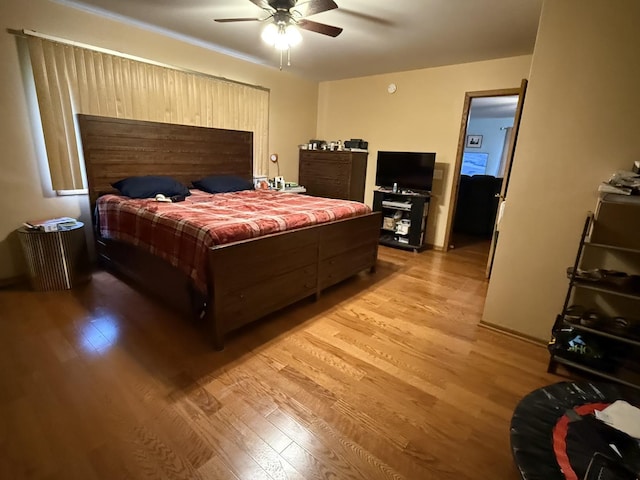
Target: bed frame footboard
[[250, 279]]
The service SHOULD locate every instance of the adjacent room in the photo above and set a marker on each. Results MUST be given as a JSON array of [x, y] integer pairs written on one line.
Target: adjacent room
[[268, 239], [482, 172]]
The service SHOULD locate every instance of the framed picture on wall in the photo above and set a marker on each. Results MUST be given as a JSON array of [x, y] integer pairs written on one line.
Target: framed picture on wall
[[474, 141]]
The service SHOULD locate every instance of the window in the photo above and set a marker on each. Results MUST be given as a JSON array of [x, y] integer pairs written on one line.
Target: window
[[71, 79], [474, 163]]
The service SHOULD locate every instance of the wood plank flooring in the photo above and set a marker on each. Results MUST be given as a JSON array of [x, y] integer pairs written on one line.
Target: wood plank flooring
[[387, 376]]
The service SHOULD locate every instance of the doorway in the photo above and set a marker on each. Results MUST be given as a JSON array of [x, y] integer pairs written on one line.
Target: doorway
[[488, 133]]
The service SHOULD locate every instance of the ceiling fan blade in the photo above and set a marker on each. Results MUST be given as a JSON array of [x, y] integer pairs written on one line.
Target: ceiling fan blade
[[366, 17], [261, 3], [228, 20], [319, 28], [311, 7]]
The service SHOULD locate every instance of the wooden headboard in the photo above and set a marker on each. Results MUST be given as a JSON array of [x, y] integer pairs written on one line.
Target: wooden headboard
[[116, 148]]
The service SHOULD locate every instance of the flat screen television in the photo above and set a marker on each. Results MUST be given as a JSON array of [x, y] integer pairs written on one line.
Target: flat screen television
[[410, 170]]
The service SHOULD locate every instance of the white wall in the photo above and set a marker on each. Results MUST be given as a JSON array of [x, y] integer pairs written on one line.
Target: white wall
[[424, 115], [24, 186], [579, 125], [492, 139]]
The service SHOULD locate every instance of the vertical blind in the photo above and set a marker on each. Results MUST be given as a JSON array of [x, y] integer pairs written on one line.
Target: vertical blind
[[71, 80]]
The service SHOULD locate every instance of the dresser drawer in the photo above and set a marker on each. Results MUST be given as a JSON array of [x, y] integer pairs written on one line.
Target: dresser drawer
[[328, 191], [324, 169], [337, 157]]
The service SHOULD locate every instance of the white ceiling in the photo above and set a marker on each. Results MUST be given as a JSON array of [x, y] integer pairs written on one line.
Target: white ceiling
[[380, 36], [494, 107]]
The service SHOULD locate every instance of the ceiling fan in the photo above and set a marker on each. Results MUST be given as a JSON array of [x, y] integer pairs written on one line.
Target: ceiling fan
[[287, 15]]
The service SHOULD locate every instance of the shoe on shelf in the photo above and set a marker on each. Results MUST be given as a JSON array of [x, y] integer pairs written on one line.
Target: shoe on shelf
[[618, 325], [574, 313], [599, 275], [590, 318], [587, 317]]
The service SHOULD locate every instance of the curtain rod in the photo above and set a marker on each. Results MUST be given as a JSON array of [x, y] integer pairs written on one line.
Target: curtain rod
[[33, 33]]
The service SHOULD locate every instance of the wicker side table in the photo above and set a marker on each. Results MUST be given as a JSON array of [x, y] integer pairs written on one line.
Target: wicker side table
[[55, 260]]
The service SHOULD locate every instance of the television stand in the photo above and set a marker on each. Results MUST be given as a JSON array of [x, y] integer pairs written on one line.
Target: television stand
[[404, 218]]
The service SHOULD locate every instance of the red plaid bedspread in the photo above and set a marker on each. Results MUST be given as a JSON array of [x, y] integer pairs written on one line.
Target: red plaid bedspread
[[182, 232]]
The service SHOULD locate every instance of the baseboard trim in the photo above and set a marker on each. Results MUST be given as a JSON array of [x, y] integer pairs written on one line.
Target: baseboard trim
[[13, 281], [513, 333]]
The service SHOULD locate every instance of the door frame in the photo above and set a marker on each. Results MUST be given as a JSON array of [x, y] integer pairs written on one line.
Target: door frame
[[464, 121]]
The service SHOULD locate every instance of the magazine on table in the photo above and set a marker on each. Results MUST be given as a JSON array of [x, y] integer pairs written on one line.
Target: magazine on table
[[51, 224]]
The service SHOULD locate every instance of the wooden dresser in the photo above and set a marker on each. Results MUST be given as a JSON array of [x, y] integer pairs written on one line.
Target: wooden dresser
[[333, 174]]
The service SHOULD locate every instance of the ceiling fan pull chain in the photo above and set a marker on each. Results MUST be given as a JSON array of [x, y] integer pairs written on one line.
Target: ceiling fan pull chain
[[280, 59], [288, 57]]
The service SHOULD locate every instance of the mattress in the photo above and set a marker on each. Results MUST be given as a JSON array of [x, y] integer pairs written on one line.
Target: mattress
[[181, 233]]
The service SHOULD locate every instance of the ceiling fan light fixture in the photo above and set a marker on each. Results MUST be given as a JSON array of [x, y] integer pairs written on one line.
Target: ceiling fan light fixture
[[281, 36], [287, 17], [293, 35], [281, 43], [270, 34]]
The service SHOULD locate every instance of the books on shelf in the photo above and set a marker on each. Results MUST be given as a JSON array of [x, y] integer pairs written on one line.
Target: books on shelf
[[51, 224], [406, 205]]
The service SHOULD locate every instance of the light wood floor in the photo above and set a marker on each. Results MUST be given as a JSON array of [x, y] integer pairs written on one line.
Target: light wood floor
[[387, 376]]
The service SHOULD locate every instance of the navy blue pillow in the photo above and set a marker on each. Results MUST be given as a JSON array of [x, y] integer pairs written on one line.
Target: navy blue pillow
[[149, 186], [222, 184]]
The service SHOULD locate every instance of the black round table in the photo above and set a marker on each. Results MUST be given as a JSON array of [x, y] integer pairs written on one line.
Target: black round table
[[543, 446]]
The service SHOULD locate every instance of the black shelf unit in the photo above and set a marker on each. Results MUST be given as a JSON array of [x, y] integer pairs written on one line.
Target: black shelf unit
[[629, 379], [610, 241], [409, 212]]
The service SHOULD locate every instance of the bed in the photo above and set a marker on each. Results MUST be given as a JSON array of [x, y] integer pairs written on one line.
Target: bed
[[245, 279]]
